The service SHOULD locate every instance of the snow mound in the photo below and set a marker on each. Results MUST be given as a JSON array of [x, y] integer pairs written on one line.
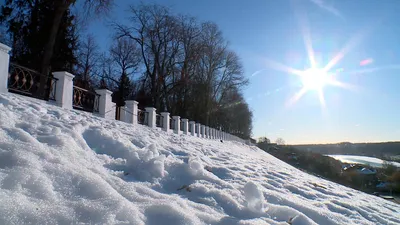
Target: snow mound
[[254, 197], [62, 166]]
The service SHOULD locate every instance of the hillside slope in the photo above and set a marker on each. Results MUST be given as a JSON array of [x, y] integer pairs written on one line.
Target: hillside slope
[[65, 167]]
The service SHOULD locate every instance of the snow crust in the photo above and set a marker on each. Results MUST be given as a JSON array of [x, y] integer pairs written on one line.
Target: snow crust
[[62, 166]]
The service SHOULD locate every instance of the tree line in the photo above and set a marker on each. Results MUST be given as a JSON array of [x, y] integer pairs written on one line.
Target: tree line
[[172, 62]]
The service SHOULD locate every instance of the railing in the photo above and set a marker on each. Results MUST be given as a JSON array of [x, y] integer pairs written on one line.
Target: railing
[[85, 100], [24, 81], [142, 118], [181, 126], [159, 120], [190, 128]]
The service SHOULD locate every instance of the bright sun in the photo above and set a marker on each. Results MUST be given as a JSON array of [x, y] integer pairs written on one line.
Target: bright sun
[[314, 79]]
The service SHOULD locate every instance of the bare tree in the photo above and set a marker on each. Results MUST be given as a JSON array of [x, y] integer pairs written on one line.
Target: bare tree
[[264, 140], [153, 29], [125, 54], [88, 59], [188, 68], [119, 68], [280, 141]]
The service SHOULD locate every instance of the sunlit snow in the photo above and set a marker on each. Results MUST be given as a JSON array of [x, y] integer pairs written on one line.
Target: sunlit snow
[[67, 167]]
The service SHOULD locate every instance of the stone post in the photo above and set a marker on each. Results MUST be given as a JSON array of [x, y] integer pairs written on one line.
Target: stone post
[[151, 116], [177, 123], [192, 125], [198, 129], [123, 114], [64, 89], [165, 121], [106, 106], [203, 129], [185, 123], [4, 65], [131, 111]]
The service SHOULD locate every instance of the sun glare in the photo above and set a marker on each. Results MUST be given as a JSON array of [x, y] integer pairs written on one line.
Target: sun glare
[[314, 79], [317, 78]]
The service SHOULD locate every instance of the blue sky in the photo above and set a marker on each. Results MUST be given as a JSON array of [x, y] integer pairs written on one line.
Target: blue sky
[[261, 31]]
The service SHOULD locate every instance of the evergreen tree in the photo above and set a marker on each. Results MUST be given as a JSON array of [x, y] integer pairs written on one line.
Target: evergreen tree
[[28, 23], [124, 90]]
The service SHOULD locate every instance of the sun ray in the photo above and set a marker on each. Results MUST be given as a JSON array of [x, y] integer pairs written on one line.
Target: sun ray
[[348, 46], [341, 53], [321, 98], [281, 67], [257, 72], [371, 70], [314, 78], [343, 85], [304, 26], [297, 96]]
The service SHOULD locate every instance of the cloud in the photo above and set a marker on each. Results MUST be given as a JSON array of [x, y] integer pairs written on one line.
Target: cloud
[[329, 8]]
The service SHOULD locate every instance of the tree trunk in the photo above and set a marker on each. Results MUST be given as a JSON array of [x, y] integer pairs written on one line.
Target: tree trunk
[[60, 8]]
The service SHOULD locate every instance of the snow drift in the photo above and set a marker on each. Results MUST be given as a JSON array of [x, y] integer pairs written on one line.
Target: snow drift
[[62, 166]]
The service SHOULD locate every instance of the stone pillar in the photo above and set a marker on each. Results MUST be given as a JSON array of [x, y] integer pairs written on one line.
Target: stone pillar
[[185, 124], [151, 116], [177, 123], [192, 125], [207, 132], [64, 89], [203, 129], [212, 133], [122, 114], [198, 129], [165, 120], [106, 106], [131, 111], [4, 65]]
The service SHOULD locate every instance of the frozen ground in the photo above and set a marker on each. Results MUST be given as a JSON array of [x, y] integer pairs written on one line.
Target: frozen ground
[[375, 162], [67, 167]]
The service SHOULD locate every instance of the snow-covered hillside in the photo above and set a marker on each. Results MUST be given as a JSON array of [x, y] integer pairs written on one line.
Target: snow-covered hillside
[[67, 167]]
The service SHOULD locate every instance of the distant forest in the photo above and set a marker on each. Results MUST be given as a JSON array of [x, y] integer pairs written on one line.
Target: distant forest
[[384, 150]]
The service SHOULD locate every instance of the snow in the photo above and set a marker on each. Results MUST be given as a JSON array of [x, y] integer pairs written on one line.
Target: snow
[[367, 171], [61, 166], [366, 160]]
